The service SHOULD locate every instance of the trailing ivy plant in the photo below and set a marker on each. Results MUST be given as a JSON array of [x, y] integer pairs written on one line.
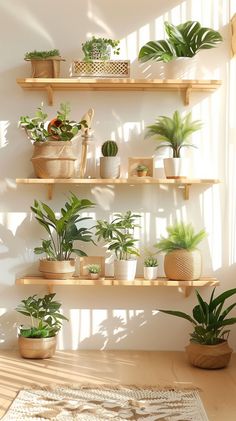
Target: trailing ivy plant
[[99, 48], [62, 230], [173, 132], [44, 314], [209, 320], [184, 40]]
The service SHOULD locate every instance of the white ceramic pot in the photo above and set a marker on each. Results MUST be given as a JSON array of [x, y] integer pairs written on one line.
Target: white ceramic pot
[[125, 269], [110, 167], [150, 272], [181, 68], [175, 167]]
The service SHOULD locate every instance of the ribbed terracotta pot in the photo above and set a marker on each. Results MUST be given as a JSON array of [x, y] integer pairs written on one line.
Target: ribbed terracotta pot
[[183, 265], [55, 269], [37, 347], [53, 159], [209, 356]]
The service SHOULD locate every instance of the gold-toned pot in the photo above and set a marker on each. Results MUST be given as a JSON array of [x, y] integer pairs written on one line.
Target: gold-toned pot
[[209, 356], [37, 347]]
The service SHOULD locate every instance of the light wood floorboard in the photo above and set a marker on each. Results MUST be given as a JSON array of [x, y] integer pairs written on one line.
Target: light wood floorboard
[[218, 387]]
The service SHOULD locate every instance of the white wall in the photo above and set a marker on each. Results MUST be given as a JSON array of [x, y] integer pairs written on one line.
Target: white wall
[[121, 317]]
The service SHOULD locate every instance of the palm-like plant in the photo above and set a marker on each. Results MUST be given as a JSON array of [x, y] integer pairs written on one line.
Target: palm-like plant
[[181, 236], [184, 40], [118, 234], [173, 132], [209, 319]]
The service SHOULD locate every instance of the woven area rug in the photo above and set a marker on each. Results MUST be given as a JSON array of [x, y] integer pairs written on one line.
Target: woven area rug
[[92, 403]]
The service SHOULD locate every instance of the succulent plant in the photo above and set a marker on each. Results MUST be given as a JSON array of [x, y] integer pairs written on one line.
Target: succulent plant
[[109, 148], [150, 262]]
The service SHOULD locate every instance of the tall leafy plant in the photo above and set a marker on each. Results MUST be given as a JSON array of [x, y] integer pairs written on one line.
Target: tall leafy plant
[[209, 320], [119, 234], [62, 230], [184, 40], [44, 314], [173, 132], [180, 236]]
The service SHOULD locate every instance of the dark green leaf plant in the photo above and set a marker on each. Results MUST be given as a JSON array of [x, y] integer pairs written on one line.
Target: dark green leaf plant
[[209, 320], [119, 234], [173, 132], [63, 230], [44, 314], [184, 40]]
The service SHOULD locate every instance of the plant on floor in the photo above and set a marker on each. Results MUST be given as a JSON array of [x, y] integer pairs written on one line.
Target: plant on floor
[[44, 314], [119, 234], [94, 268], [100, 48], [184, 40], [41, 55], [62, 230], [209, 320], [173, 132]]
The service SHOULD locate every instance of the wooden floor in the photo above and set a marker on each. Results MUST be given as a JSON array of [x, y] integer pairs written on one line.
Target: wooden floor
[[218, 387]]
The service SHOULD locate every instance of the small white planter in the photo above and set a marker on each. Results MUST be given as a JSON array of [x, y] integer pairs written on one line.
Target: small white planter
[[94, 275], [110, 167], [150, 272], [125, 269], [181, 68], [175, 167]]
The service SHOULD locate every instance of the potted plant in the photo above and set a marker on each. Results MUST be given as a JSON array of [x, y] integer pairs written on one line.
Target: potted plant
[[63, 232], [109, 162], [94, 271], [44, 63], [53, 156], [100, 48], [142, 170], [182, 260], [174, 133], [208, 346], [184, 40], [150, 267], [38, 340], [119, 235]]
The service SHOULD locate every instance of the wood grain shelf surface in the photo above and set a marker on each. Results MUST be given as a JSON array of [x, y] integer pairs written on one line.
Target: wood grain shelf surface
[[124, 84], [134, 180]]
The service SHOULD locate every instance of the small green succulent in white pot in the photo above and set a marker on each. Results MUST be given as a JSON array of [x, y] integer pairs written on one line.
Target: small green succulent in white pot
[[109, 162], [150, 267]]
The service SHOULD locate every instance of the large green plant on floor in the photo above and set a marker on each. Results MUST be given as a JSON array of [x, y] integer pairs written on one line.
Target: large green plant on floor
[[44, 314], [173, 132], [62, 230], [209, 320], [119, 234], [184, 40]]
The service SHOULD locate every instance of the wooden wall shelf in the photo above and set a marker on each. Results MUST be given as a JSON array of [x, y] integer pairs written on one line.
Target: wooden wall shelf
[[185, 286], [183, 183], [90, 84]]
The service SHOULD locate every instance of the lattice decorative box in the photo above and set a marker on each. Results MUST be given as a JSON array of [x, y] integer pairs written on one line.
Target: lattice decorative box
[[101, 68]]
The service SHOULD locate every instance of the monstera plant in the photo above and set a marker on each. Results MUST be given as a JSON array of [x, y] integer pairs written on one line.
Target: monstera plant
[[184, 40]]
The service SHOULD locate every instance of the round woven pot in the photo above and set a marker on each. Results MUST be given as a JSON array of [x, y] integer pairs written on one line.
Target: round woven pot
[[37, 347], [57, 269], [183, 265], [53, 159], [209, 356]]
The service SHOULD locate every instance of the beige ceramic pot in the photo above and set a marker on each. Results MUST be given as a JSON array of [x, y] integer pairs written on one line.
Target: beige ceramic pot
[[110, 167], [37, 347], [55, 269], [183, 265], [53, 159], [209, 356]]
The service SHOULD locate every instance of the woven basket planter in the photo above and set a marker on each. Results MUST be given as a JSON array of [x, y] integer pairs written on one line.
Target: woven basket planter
[[53, 159], [209, 356], [183, 265], [101, 68]]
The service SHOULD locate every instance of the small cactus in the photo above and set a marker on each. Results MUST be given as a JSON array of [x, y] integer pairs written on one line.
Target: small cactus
[[109, 148]]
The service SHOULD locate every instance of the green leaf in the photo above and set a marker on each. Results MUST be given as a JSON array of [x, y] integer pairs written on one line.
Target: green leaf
[[179, 314]]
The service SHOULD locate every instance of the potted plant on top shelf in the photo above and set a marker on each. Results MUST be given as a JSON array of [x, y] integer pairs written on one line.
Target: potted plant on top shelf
[[174, 133], [39, 339], [208, 346], [63, 233], [44, 64], [182, 260], [119, 235], [100, 48], [53, 156]]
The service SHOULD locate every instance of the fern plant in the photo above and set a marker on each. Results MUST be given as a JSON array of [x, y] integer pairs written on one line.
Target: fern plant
[[173, 132], [209, 319], [184, 40], [181, 236]]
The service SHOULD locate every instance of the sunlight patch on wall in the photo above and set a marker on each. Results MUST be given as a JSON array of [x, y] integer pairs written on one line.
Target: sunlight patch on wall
[[4, 124], [132, 46], [14, 220], [143, 35], [129, 128]]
